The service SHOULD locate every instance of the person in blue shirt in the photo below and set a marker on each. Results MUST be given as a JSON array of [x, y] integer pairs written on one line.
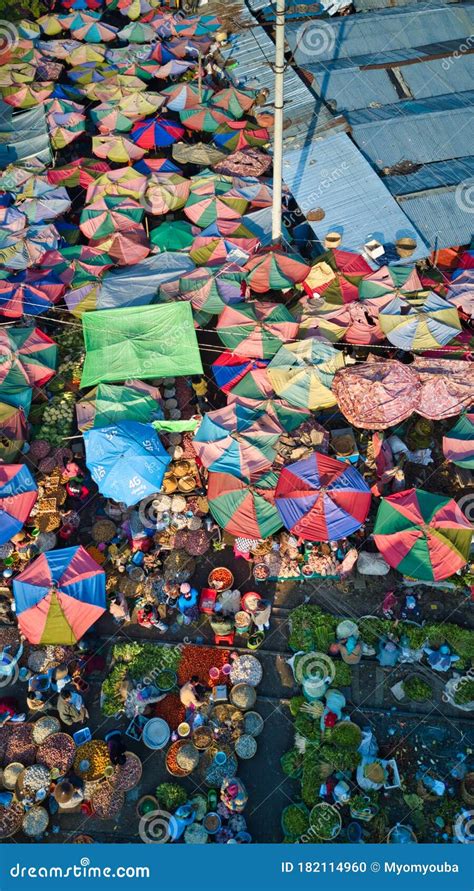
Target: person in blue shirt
[[187, 603]]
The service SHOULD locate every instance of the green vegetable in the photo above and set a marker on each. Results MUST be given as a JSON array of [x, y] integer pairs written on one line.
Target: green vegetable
[[346, 736], [464, 691], [295, 820], [291, 763], [417, 689], [171, 796], [295, 704]]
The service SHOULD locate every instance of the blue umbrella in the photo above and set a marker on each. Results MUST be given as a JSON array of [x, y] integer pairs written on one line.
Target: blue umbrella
[[127, 461]]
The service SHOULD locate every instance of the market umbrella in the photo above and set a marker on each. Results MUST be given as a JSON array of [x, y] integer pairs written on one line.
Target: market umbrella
[[421, 324], [377, 395], [116, 148], [138, 105], [127, 461], [302, 373], [47, 206], [228, 369], [83, 299], [175, 235], [113, 89], [27, 358], [13, 425], [110, 404], [218, 250], [59, 596], [90, 72], [447, 386], [461, 291], [20, 72], [125, 181], [18, 494], [173, 68], [156, 165], [271, 269], [388, 282], [235, 101], [137, 32], [204, 118], [85, 53], [355, 323], [256, 330], [211, 292], [51, 24], [27, 95], [21, 250], [237, 440], [155, 132], [289, 417], [127, 247], [165, 192], [458, 443], [336, 276], [198, 153], [13, 219], [23, 298], [237, 135], [209, 202], [80, 172], [108, 215], [65, 128], [243, 508], [181, 96], [94, 32], [322, 499], [424, 535], [108, 117]]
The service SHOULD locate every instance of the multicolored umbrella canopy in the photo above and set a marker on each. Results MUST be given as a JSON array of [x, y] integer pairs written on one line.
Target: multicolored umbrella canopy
[[127, 461], [47, 206], [353, 322], [27, 358], [237, 440], [272, 269], [243, 508], [377, 395], [286, 416], [137, 32], [94, 32], [183, 96], [422, 534], [322, 499], [27, 95], [210, 201], [110, 404], [458, 443], [256, 330], [138, 105], [59, 596], [84, 299], [175, 235], [125, 181], [80, 172], [110, 214], [65, 128], [23, 298], [228, 369], [13, 426], [303, 372], [108, 118], [154, 133], [237, 135], [336, 276], [211, 292], [166, 192], [116, 148], [423, 324], [127, 247], [461, 291], [205, 118], [236, 102], [18, 494], [389, 282]]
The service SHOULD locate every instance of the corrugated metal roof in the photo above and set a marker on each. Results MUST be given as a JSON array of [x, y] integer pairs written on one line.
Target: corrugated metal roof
[[371, 5], [381, 31], [331, 175], [421, 139], [439, 216], [254, 51], [431, 176]]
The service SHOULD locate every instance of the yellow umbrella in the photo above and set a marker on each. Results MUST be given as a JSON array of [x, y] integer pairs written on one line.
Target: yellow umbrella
[[422, 323], [51, 25], [124, 181], [86, 53], [138, 105], [114, 88], [117, 149], [302, 373], [19, 73]]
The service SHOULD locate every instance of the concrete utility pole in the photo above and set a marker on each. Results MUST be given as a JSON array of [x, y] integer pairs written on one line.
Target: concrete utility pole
[[278, 123]]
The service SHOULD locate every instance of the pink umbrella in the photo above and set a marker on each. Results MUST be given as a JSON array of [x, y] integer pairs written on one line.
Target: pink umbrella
[[128, 247]]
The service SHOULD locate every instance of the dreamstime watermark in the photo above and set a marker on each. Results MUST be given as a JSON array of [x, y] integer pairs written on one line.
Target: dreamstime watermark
[[9, 671], [466, 502], [328, 826], [314, 39], [466, 47], [307, 208], [315, 667], [81, 870], [464, 195], [157, 827], [464, 827], [9, 39]]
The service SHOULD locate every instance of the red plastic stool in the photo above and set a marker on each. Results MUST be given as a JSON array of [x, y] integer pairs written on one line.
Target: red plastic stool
[[224, 638]]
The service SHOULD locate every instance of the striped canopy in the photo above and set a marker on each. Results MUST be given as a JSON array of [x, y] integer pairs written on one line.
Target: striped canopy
[[59, 596], [423, 535], [242, 508], [18, 493], [458, 443]]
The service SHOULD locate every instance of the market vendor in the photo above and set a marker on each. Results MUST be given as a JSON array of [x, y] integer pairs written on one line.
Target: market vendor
[[148, 617], [388, 653], [187, 603], [119, 609], [261, 615], [192, 693], [9, 711], [71, 708], [234, 795], [67, 795], [442, 658], [221, 624]]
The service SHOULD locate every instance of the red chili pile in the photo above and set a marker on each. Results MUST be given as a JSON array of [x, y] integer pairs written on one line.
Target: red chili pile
[[198, 660]]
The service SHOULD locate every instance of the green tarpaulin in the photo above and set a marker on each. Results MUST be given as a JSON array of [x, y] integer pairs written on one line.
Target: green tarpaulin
[[143, 342]]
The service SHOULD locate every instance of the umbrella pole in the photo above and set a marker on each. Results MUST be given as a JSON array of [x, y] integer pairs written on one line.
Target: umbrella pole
[[279, 69]]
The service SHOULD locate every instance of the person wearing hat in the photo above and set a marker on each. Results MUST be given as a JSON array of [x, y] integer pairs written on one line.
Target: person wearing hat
[[187, 603], [441, 659], [60, 678], [68, 796], [36, 701], [410, 611], [71, 708], [221, 624], [261, 615], [119, 609]]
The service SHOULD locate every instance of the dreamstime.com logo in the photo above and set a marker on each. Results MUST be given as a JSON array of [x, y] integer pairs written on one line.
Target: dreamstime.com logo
[[464, 195], [9, 40], [314, 39], [81, 870], [8, 670], [157, 828], [464, 827], [315, 667]]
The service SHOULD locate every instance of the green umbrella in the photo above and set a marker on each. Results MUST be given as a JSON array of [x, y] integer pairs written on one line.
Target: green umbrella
[[173, 236], [110, 404]]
